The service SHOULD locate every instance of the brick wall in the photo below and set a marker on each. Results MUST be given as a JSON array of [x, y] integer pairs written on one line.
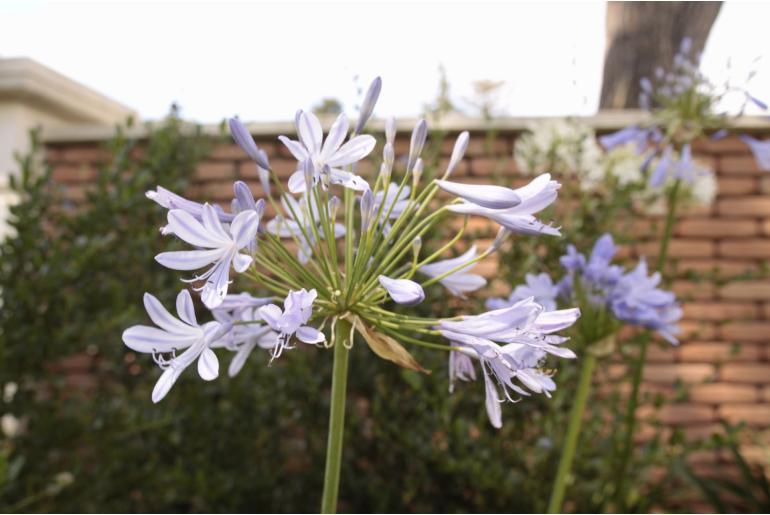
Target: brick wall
[[725, 353]]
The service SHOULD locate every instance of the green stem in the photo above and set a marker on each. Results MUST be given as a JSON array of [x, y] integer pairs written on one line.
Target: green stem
[[336, 417], [573, 432], [639, 362]]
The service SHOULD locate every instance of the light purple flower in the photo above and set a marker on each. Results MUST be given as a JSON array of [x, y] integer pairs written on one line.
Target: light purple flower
[[221, 246], [459, 283], [488, 196], [403, 291], [540, 287], [633, 297], [761, 151], [597, 275], [243, 138], [632, 134], [246, 333], [171, 336], [237, 302], [244, 201], [525, 322], [534, 197], [573, 260], [290, 322], [170, 200], [636, 299], [511, 344], [390, 130], [327, 156], [660, 172], [460, 367]]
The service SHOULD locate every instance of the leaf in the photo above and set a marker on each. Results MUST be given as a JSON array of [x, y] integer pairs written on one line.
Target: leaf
[[386, 347]]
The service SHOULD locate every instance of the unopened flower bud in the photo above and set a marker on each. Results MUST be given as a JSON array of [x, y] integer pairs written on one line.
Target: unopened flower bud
[[260, 207], [334, 205], [502, 235], [417, 172], [416, 245], [388, 155], [419, 134], [264, 180], [372, 94], [390, 130], [367, 205], [461, 145], [243, 138]]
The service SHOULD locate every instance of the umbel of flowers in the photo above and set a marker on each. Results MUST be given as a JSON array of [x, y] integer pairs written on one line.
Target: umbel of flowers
[[683, 105], [333, 251], [609, 298]]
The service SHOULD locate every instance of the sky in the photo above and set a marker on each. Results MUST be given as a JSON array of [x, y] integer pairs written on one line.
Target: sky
[[263, 61]]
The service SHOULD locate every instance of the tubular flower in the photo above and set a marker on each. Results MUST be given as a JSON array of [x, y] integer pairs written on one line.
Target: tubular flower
[[171, 336], [403, 291], [247, 333], [458, 283], [327, 156], [171, 200], [511, 344], [516, 207], [222, 246], [289, 322], [540, 287]]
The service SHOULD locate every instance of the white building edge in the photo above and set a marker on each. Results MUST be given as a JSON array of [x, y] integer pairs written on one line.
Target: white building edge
[[35, 96]]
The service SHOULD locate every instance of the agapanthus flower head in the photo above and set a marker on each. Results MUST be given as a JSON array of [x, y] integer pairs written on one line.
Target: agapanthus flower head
[[684, 106], [349, 255], [633, 297]]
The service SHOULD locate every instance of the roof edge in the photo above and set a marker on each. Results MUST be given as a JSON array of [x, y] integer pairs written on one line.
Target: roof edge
[[27, 81], [603, 121]]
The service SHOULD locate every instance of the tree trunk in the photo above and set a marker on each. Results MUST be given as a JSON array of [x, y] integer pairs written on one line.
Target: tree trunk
[[644, 35]]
